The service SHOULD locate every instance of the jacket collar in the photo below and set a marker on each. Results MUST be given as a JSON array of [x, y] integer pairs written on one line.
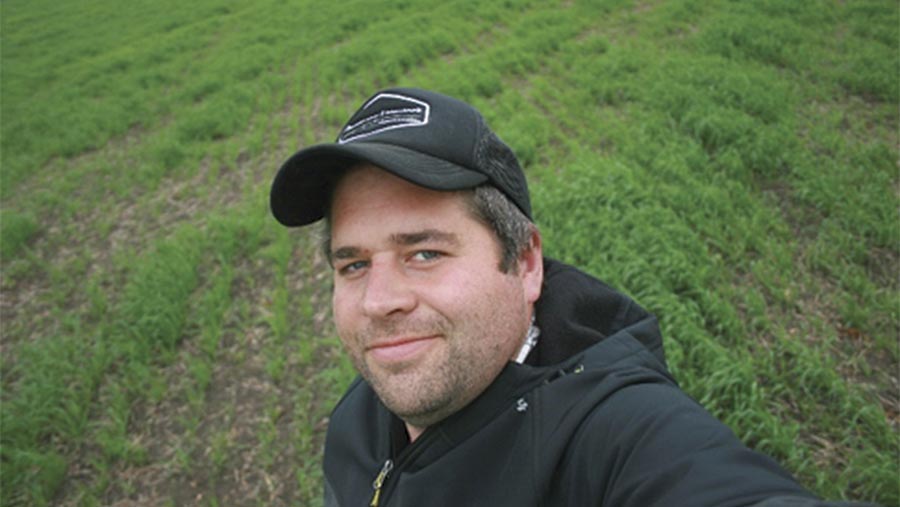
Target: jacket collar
[[576, 311]]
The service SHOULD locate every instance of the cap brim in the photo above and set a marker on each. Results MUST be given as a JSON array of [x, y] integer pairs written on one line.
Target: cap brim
[[302, 187]]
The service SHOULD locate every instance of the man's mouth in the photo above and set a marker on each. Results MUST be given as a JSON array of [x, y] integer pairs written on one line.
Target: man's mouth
[[400, 349]]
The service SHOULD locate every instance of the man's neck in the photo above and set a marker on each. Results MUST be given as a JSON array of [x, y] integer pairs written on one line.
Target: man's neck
[[413, 432]]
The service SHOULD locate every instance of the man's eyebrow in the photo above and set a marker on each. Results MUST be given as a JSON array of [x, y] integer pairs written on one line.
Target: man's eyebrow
[[434, 235], [403, 239], [347, 252]]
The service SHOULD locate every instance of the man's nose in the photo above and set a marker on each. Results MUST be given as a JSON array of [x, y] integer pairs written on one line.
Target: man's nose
[[387, 290]]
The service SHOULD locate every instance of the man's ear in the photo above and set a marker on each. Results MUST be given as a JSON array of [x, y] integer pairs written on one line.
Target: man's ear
[[531, 267]]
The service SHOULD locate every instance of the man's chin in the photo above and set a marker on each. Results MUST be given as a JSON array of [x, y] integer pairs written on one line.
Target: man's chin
[[404, 400]]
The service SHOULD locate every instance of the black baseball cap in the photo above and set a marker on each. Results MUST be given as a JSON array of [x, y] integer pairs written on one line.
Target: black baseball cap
[[424, 137]]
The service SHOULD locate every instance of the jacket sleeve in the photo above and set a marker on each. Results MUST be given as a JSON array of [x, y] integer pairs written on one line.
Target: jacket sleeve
[[328, 498], [651, 445], [792, 501]]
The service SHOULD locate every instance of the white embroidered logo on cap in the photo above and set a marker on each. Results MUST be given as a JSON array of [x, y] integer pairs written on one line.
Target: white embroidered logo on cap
[[386, 111]]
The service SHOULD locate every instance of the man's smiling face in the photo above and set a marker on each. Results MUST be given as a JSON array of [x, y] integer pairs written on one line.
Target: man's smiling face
[[420, 304]]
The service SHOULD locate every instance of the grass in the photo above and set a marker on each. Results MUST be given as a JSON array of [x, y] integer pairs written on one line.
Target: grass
[[731, 165]]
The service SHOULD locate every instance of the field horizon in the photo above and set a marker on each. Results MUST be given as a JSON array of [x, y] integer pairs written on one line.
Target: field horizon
[[732, 166]]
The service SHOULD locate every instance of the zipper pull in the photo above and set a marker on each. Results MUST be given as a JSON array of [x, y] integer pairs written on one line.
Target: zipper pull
[[379, 481]]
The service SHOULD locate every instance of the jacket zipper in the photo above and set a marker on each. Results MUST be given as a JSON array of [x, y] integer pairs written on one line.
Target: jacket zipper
[[379, 485], [379, 482], [412, 451]]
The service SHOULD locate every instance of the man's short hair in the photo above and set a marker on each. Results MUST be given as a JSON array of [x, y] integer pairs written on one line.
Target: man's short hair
[[511, 227], [493, 208]]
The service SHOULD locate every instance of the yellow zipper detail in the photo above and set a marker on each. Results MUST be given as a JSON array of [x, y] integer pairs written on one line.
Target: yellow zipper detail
[[379, 481]]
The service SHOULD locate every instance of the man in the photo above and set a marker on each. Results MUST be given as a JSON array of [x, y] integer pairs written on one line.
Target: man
[[488, 374]]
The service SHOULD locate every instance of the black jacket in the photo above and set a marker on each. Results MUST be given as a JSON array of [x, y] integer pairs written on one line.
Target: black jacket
[[592, 419]]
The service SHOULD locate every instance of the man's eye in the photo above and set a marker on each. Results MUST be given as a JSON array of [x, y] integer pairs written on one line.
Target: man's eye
[[351, 268], [426, 255]]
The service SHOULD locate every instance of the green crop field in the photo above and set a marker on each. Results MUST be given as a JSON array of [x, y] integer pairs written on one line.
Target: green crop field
[[732, 165]]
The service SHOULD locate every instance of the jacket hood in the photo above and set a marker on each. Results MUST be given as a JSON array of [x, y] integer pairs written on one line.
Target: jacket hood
[[576, 311]]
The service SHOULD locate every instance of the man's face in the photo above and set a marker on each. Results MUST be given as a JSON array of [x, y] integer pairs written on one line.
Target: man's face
[[420, 304]]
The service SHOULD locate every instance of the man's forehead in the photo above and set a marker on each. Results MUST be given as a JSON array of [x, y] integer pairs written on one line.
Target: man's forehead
[[371, 206]]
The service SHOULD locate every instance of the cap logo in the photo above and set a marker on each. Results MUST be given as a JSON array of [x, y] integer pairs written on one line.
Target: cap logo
[[386, 111]]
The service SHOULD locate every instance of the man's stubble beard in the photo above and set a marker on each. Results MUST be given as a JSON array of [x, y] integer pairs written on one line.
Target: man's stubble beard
[[463, 365], [421, 394]]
